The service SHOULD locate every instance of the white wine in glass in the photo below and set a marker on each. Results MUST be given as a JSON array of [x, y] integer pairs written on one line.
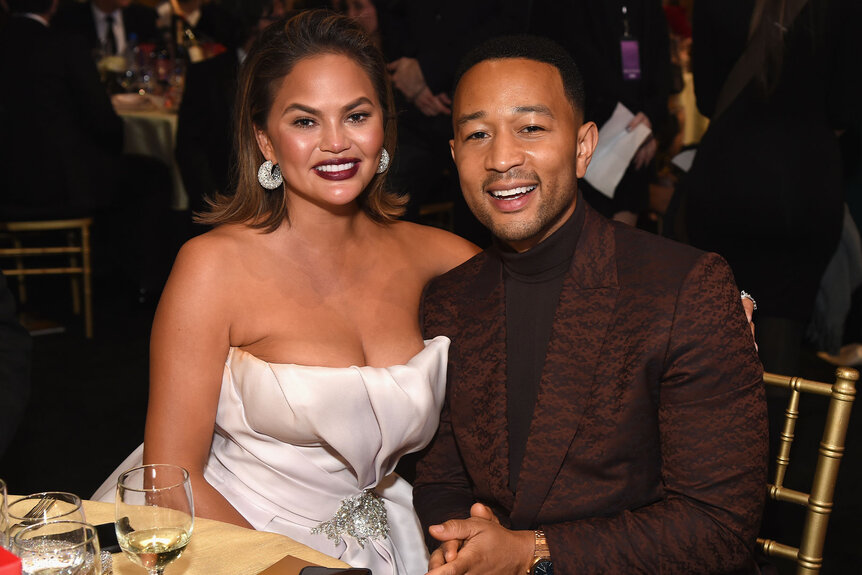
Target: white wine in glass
[[154, 515]]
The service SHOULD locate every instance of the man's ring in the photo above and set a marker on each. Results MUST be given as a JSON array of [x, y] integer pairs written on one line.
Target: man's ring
[[745, 295]]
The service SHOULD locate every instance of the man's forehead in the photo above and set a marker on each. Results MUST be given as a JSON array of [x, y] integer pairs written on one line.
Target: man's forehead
[[513, 85]]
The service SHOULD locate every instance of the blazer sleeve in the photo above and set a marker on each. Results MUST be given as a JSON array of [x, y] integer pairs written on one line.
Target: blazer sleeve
[[713, 434], [442, 489]]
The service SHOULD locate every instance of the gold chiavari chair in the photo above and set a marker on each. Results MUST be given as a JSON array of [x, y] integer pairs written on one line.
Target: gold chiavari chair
[[818, 502], [77, 245]]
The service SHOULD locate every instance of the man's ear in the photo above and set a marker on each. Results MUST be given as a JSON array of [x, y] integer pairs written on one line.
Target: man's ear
[[588, 137], [264, 144], [452, 149]]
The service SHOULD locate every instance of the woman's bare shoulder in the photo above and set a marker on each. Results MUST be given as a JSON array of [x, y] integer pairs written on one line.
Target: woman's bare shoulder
[[440, 249], [213, 255]]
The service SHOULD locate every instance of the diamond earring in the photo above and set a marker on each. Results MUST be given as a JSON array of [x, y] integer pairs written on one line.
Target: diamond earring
[[384, 161], [269, 175]]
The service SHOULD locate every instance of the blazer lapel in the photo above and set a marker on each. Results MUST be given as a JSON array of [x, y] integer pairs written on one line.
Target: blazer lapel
[[481, 399], [587, 301]]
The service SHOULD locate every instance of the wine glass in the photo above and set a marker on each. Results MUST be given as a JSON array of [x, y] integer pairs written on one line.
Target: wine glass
[[155, 514], [58, 548], [42, 508]]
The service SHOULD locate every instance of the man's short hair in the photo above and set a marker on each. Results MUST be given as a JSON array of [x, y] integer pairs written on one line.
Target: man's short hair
[[529, 47]]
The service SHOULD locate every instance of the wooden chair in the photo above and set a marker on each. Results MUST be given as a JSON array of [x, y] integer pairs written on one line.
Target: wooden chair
[[439, 215], [819, 501], [76, 265]]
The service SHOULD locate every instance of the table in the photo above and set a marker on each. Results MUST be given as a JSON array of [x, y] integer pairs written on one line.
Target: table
[[152, 132], [218, 548]]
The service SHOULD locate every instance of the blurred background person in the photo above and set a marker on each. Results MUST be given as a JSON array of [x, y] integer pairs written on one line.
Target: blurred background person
[[766, 187], [597, 34], [15, 346], [107, 25], [56, 112], [423, 42]]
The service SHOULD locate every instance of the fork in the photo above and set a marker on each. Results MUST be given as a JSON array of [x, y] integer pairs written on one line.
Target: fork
[[44, 504]]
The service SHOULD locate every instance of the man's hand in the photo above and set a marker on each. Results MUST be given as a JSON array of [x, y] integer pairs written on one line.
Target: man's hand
[[647, 151], [480, 545]]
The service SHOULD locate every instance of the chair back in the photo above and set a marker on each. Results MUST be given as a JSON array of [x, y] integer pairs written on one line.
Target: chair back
[[74, 251], [818, 502]]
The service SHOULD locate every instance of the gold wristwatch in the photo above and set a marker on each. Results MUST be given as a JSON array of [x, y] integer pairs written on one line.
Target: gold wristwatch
[[542, 564]]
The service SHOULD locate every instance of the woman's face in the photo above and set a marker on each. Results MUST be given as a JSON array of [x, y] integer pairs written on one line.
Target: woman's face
[[325, 131]]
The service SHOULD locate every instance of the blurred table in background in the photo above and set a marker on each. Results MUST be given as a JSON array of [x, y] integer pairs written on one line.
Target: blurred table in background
[[151, 130]]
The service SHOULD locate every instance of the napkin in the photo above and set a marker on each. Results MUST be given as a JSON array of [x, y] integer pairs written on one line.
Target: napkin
[[615, 150]]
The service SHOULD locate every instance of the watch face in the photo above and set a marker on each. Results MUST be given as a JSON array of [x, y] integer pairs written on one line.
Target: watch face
[[543, 567]]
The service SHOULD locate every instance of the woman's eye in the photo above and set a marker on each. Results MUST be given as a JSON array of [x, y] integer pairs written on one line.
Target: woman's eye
[[358, 117], [303, 122]]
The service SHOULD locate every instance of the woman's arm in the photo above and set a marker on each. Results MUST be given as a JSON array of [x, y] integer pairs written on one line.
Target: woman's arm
[[188, 348]]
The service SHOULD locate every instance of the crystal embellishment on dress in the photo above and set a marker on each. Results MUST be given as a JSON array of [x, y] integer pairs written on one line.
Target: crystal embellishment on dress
[[362, 516]]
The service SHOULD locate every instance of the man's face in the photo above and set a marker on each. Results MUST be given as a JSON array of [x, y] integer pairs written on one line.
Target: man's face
[[519, 147]]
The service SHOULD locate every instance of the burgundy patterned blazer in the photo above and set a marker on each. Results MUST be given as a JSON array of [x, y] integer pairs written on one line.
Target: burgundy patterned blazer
[[647, 450]]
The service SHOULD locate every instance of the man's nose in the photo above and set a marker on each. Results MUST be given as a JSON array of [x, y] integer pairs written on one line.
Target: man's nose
[[504, 153]]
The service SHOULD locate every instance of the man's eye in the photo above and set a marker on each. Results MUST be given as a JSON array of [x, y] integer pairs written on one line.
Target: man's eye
[[477, 136], [532, 129]]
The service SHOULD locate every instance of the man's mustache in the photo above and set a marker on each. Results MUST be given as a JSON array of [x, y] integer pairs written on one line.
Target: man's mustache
[[511, 176]]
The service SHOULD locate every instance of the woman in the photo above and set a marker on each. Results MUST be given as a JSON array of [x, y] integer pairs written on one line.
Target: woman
[[305, 275]]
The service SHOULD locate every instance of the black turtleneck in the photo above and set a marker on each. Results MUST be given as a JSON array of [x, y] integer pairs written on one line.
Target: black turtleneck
[[532, 281]]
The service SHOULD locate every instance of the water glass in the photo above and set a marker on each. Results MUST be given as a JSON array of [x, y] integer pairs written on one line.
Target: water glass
[[43, 507], [58, 548]]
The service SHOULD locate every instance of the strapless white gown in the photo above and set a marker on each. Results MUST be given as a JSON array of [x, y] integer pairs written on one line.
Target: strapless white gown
[[293, 442]]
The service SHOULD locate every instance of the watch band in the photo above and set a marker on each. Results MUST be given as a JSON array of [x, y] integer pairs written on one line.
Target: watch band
[[541, 552]]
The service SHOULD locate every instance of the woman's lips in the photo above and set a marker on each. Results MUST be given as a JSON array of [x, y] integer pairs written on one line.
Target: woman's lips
[[338, 170]]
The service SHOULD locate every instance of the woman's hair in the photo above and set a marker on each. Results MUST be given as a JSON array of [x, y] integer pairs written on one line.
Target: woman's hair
[[272, 57]]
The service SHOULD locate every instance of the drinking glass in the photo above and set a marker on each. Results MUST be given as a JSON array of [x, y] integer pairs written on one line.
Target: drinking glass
[[4, 515], [43, 508], [58, 548], [155, 514]]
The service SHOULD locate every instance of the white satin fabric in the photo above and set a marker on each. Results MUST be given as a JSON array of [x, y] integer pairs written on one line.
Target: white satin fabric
[[292, 442]]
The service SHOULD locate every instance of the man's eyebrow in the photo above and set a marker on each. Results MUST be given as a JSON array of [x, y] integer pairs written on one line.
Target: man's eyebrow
[[470, 117], [537, 109]]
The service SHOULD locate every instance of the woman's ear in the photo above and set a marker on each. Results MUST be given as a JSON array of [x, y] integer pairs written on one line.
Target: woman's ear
[[264, 144], [588, 137]]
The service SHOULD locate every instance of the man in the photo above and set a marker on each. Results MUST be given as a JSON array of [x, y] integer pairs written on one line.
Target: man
[[605, 411], [108, 25]]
